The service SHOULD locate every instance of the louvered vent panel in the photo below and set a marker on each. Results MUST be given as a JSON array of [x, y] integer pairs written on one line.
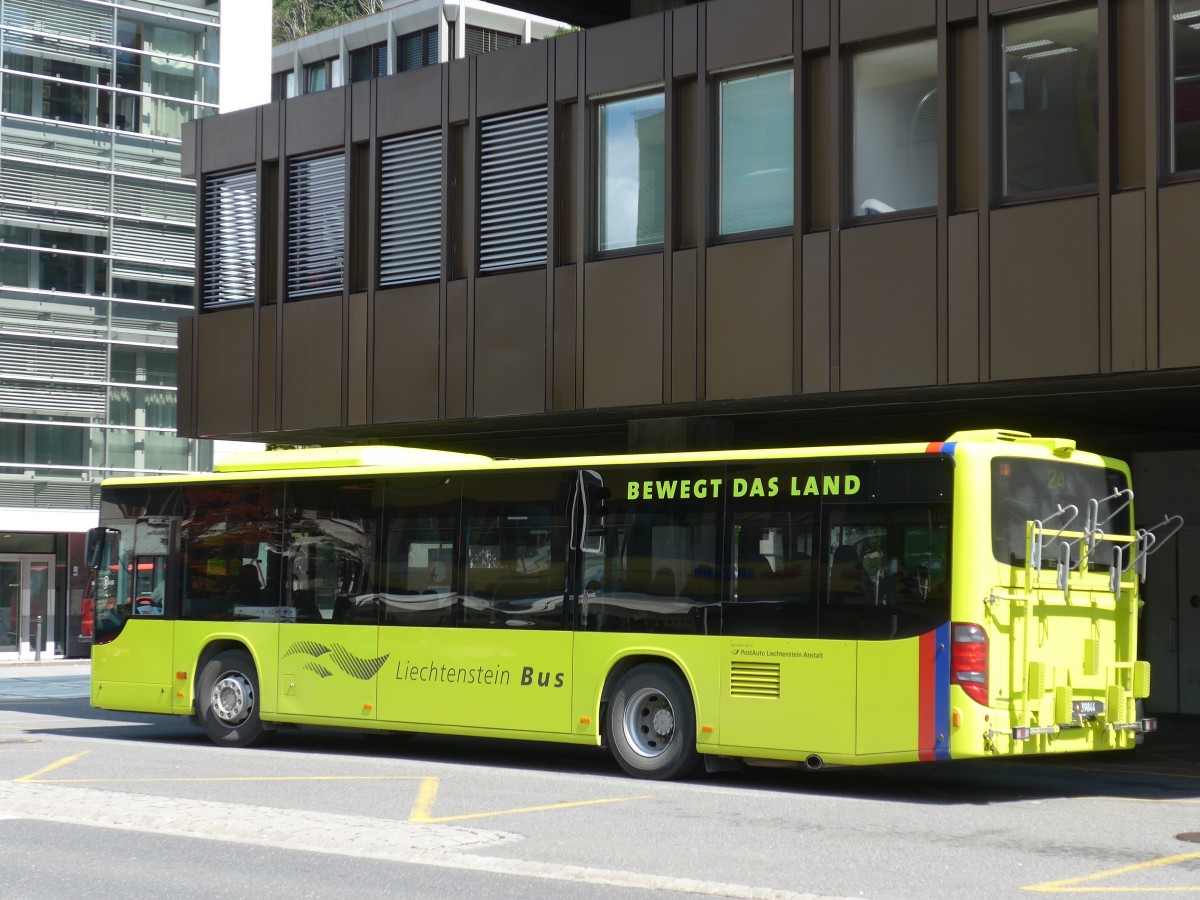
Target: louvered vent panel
[[513, 191], [16, 493], [44, 359], [159, 201], [72, 190], [230, 216], [410, 210], [170, 246], [124, 268], [52, 17], [76, 399], [754, 679], [316, 225], [66, 495]]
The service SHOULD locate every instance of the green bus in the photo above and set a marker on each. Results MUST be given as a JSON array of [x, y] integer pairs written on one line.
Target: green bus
[[846, 605]]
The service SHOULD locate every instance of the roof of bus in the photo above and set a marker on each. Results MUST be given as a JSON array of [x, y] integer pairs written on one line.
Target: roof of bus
[[383, 460]]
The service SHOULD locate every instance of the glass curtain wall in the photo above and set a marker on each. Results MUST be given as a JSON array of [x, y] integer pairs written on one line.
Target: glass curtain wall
[[97, 239]]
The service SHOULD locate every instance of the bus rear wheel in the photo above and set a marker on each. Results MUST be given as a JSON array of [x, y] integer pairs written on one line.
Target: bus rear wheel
[[228, 699], [652, 723]]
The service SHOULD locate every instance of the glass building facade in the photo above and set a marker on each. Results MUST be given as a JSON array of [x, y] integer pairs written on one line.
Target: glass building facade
[[97, 262]]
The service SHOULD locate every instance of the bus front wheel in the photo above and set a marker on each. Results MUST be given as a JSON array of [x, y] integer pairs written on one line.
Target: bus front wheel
[[652, 723], [228, 699]]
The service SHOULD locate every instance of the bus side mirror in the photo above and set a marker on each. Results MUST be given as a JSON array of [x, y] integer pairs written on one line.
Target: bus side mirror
[[97, 542]]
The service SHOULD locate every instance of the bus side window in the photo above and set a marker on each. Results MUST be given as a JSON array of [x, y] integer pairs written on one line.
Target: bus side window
[[661, 568], [517, 530], [229, 547], [329, 554]]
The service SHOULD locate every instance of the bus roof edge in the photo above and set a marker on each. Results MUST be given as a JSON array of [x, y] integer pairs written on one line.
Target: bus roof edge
[[344, 458]]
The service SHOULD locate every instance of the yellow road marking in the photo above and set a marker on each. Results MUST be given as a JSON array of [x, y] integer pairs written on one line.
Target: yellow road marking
[[65, 761], [1077, 885], [422, 809]]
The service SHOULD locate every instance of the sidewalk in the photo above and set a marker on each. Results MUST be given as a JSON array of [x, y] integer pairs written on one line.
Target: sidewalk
[[47, 668]]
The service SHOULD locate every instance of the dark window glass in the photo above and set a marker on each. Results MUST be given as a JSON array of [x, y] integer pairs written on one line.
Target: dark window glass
[[1027, 490], [368, 62], [329, 552], [1051, 102], [657, 567], [418, 583], [885, 547], [420, 48], [485, 40], [515, 560], [1185, 86], [774, 558], [232, 544], [283, 85]]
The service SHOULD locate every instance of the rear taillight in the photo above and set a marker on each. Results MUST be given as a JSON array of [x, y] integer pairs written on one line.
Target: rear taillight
[[969, 660]]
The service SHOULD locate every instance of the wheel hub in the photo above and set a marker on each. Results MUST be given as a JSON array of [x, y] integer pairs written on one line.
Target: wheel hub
[[232, 698], [649, 722]]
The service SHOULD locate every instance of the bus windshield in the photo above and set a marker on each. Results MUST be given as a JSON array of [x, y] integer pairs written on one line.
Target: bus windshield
[[1025, 490]]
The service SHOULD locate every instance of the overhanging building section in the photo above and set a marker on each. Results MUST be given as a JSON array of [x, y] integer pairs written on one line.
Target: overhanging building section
[[780, 215]]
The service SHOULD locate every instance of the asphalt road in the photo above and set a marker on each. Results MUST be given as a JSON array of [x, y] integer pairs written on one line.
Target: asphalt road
[[120, 805]]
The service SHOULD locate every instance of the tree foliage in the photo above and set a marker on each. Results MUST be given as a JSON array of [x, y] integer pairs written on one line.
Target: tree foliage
[[296, 18]]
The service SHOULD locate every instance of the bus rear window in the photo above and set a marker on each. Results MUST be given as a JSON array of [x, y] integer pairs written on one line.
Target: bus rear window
[[1024, 490]]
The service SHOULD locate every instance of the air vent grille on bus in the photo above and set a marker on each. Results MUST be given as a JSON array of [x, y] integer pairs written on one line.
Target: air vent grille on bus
[[753, 679]]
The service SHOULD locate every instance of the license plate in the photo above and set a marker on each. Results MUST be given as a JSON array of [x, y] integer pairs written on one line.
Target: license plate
[[1087, 709]]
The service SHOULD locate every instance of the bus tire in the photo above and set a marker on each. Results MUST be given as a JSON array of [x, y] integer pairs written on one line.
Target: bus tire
[[228, 698], [652, 723]]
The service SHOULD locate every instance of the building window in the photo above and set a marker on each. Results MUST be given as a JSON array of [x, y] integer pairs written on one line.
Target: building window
[[283, 85], [420, 48], [321, 76], [485, 40], [631, 173], [230, 217], [1051, 88], [895, 128], [514, 191], [1185, 87], [368, 62], [756, 152], [316, 225], [410, 209]]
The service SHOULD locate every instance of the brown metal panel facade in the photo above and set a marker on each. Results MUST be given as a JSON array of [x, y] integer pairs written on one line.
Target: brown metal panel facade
[[312, 364], [964, 298], [510, 344], [863, 20], [406, 345], [224, 373], [1045, 304], [972, 293], [888, 305], [749, 318], [1129, 282], [748, 31], [1178, 311], [623, 332]]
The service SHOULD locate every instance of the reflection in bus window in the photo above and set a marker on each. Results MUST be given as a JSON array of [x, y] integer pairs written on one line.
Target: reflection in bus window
[[231, 538], [515, 566], [885, 571], [328, 558], [661, 571]]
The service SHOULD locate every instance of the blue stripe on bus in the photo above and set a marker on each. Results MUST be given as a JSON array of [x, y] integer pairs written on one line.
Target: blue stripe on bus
[[941, 692]]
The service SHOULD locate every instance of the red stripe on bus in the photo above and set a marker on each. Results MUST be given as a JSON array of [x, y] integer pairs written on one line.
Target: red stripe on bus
[[935, 447], [927, 702]]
